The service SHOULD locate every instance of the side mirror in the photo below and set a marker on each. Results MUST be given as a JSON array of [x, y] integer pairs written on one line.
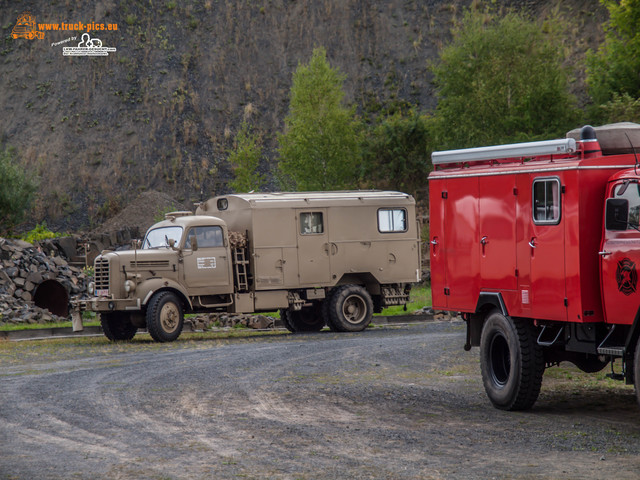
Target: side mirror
[[194, 242], [616, 214], [172, 242]]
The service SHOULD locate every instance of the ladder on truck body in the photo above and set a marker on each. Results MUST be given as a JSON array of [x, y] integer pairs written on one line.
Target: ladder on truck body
[[241, 269]]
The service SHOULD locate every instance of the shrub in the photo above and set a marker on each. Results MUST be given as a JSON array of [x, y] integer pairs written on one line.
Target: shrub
[[40, 232]]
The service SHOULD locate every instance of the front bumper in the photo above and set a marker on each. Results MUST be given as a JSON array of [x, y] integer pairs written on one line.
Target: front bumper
[[101, 304], [98, 305]]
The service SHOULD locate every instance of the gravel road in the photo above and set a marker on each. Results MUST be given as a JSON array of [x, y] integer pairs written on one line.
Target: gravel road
[[389, 403]]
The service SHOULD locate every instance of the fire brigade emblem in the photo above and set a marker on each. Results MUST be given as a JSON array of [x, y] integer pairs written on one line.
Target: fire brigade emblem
[[627, 276]]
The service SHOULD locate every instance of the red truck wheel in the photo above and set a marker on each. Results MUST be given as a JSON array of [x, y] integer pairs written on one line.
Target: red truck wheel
[[512, 362], [164, 317], [117, 326]]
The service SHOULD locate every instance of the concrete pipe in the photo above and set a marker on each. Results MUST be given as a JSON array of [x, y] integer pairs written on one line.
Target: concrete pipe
[[52, 295]]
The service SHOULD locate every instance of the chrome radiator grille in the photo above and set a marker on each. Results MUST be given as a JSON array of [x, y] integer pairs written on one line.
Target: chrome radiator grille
[[101, 272]]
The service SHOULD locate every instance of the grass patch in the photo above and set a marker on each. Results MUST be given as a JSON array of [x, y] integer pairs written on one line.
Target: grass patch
[[419, 298], [36, 326]]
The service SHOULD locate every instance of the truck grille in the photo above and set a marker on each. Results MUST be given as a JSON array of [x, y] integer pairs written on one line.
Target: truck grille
[[101, 272]]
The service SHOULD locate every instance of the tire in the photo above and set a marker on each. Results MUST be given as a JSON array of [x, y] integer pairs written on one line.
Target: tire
[[636, 371], [349, 309], [308, 319], [164, 317], [117, 326], [285, 319], [324, 310], [512, 362]]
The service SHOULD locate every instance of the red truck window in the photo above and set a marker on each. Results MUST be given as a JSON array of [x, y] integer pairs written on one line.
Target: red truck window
[[630, 191], [546, 201]]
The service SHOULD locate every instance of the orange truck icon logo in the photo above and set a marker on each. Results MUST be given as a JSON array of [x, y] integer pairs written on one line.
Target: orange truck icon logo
[[26, 27]]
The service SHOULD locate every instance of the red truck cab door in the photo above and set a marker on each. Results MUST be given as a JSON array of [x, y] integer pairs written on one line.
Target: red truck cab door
[[620, 253]]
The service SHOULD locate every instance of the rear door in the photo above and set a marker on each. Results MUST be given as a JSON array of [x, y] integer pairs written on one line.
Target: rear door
[[437, 257], [314, 248]]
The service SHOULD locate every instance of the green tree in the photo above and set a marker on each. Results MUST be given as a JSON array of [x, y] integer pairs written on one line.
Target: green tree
[[244, 158], [17, 191], [320, 146], [397, 150], [621, 108], [615, 68], [501, 79]]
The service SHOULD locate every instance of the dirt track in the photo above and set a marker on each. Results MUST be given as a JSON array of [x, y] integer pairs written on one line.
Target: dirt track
[[396, 403]]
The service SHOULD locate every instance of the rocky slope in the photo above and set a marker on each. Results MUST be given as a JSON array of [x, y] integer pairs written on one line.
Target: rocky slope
[[161, 111]]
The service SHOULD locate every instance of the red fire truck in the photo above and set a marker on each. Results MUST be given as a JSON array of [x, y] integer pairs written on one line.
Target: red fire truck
[[538, 245]]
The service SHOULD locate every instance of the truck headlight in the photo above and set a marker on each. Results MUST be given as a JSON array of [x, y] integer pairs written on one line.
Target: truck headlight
[[129, 286], [91, 288]]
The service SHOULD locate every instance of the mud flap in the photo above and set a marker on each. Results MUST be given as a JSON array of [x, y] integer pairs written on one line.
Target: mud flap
[[76, 320]]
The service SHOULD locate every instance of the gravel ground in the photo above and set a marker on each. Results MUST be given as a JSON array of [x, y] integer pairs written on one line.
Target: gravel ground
[[390, 403]]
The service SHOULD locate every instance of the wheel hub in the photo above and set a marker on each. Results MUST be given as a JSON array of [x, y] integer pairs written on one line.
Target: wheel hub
[[169, 317], [500, 360], [354, 309]]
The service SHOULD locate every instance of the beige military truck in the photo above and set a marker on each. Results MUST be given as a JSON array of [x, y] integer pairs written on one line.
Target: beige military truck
[[321, 258]]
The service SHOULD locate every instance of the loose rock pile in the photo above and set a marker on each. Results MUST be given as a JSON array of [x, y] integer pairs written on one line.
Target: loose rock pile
[[208, 321], [23, 268]]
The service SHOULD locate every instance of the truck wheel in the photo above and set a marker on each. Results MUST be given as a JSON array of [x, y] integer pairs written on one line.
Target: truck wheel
[[349, 309], [285, 319], [324, 311], [117, 326], [308, 319], [164, 317], [512, 362]]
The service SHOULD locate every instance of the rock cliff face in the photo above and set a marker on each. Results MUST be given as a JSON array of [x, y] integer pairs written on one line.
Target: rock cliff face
[[161, 111]]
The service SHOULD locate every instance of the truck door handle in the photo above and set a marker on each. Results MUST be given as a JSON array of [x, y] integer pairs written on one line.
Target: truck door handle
[[434, 241], [532, 242], [604, 253], [483, 240], [330, 248]]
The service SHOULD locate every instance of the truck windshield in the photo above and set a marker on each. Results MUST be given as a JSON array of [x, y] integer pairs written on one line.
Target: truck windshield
[[159, 237]]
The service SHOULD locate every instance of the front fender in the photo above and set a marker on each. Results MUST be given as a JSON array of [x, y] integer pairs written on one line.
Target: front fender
[[146, 289]]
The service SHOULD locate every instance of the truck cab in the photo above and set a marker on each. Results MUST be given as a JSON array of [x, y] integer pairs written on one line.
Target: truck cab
[[185, 256]]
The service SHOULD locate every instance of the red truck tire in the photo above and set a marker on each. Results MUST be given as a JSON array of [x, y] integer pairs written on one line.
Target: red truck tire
[[512, 362]]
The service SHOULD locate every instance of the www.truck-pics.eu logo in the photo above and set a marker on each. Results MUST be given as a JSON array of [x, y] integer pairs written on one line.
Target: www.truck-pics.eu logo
[[26, 27]]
